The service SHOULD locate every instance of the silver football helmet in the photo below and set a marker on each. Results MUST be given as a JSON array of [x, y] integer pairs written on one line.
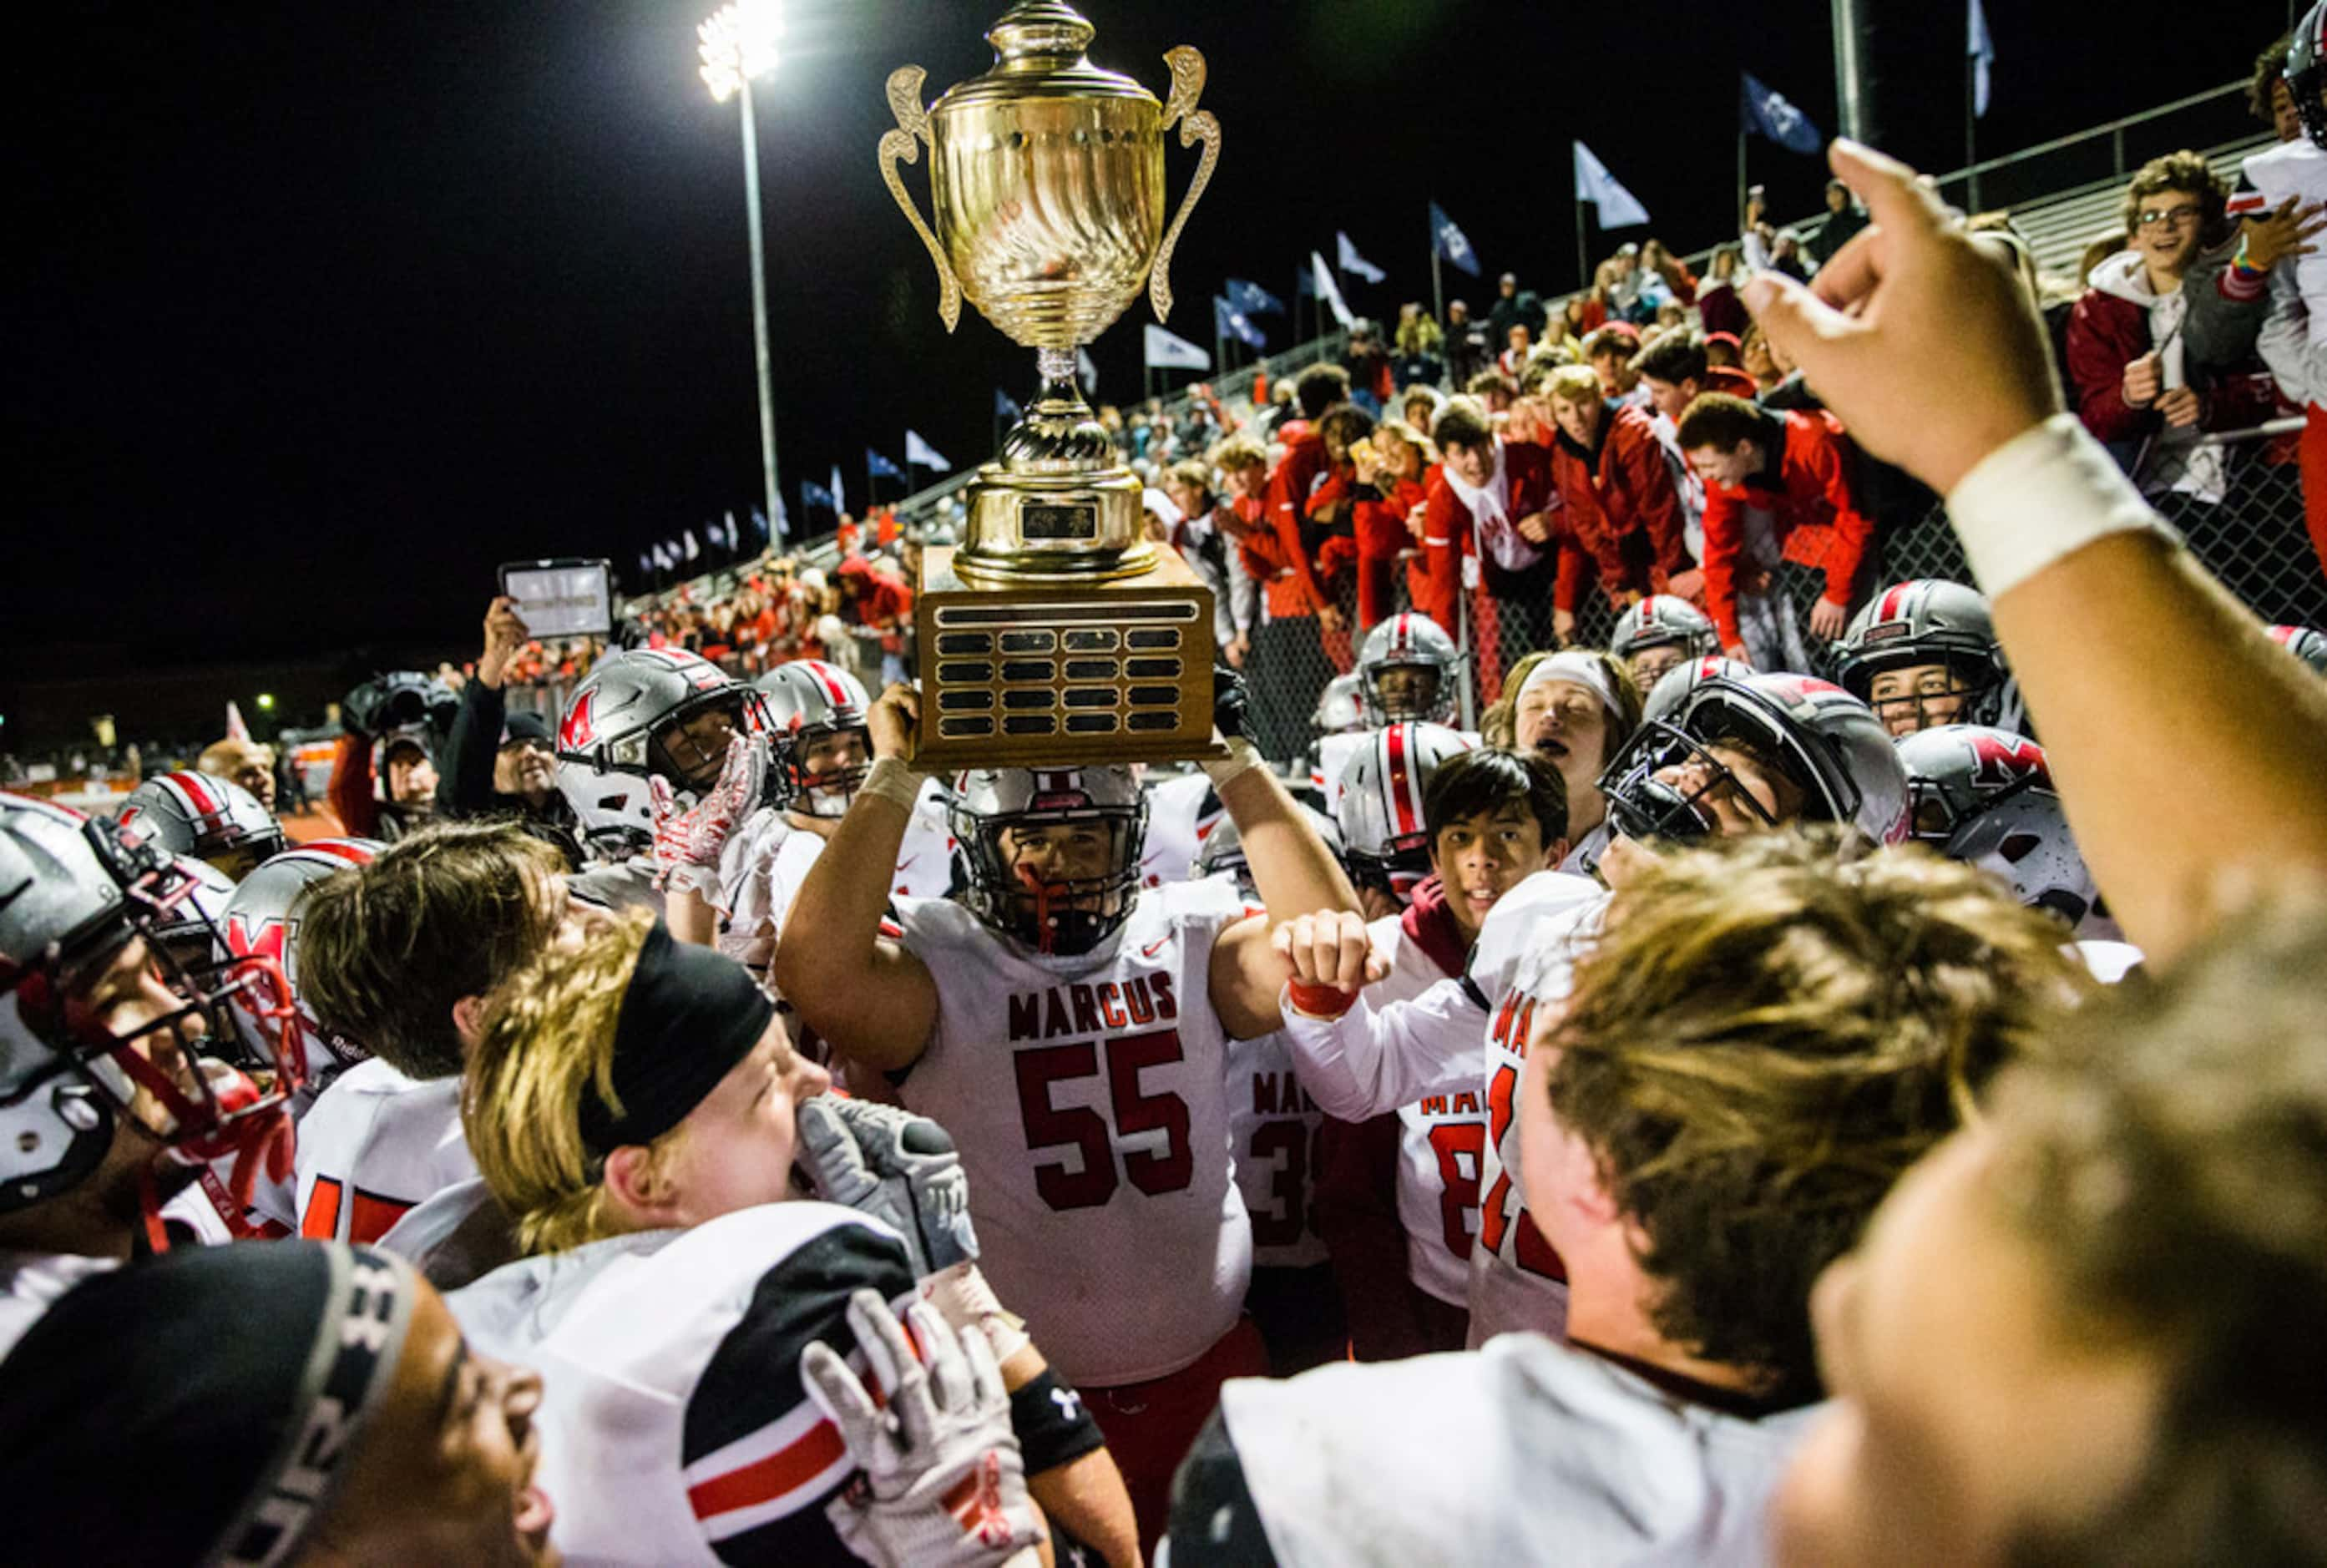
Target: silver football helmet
[[1340, 706], [74, 890], [1407, 668], [805, 702], [2304, 643], [1386, 840], [1928, 621], [1222, 851], [640, 713], [1662, 621], [1676, 684], [262, 918], [211, 819], [1985, 796], [1048, 913], [1823, 740]]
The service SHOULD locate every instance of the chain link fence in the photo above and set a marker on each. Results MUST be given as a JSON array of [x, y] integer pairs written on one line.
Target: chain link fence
[[2254, 540]]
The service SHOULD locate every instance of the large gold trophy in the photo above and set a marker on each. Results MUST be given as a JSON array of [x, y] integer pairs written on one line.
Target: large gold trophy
[[1056, 633]]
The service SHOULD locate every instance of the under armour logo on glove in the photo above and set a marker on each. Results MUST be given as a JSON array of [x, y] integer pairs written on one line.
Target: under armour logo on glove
[[944, 1484], [899, 1168], [688, 843]]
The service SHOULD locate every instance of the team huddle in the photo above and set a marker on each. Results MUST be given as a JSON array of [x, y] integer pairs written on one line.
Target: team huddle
[[1630, 1132]]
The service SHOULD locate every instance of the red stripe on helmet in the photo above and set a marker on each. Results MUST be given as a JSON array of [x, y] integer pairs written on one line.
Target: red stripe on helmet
[[833, 692], [197, 793], [1891, 606], [339, 849], [1394, 765]]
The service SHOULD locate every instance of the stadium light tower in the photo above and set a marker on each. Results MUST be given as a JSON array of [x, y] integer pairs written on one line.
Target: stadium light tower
[[739, 46]]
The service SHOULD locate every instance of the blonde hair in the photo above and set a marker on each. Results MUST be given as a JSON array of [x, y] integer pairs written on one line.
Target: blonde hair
[[547, 1039], [1574, 384], [1398, 430], [1237, 452], [1499, 725]]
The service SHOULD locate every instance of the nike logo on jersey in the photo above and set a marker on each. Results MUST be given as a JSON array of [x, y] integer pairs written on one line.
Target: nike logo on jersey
[[1153, 948]]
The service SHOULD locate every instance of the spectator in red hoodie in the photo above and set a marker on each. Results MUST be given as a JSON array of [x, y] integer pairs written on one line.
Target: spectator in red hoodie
[[1621, 502], [1778, 486], [1392, 472], [872, 598], [1493, 523]]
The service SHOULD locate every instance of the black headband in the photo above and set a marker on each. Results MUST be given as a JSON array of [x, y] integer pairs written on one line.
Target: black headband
[[689, 1015]]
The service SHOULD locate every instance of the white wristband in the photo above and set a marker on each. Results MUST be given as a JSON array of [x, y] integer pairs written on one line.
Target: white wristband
[[1243, 758], [2043, 496], [893, 779]]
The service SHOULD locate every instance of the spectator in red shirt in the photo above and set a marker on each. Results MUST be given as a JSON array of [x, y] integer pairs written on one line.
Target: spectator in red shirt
[[1493, 520], [872, 598], [1778, 486], [1392, 472], [1621, 502], [1676, 370]]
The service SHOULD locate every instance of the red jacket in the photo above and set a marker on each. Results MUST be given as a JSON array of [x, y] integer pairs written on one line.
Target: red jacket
[[1621, 504], [1297, 474], [1379, 524], [2106, 332], [1804, 484], [1448, 534]]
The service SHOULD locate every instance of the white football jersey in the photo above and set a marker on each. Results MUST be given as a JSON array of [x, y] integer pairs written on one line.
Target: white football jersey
[[1182, 812], [1525, 960], [675, 1428], [1527, 1451], [1087, 1096], [766, 859], [1273, 1138], [375, 1145], [1440, 1141]]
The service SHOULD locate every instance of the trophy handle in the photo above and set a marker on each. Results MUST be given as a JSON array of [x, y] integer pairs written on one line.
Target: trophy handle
[[905, 143], [1195, 125]]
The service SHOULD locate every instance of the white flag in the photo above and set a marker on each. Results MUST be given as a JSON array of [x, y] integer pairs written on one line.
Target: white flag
[[236, 730], [921, 454], [1351, 262], [1087, 369], [693, 549], [730, 520], [1329, 290], [1167, 352], [1981, 47], [1618, 208], [839, 500]]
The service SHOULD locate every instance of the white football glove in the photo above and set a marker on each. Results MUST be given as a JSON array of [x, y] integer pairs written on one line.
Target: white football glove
[[688, 843], [899, 1168], [943, 1483]]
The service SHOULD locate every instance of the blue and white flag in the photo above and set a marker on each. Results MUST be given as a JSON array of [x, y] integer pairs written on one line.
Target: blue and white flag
[[1087, 369], [1766, 110], [1347, 258], [665, 558], [1005, 407], [1982, 50], [1304, 285], [1618, 208], [693, 549], [839, 496], [813, 494], [880, 467], [1166, 352], [1451, 242], [729, 536], [919, 453], [762, 534], [1253, 300], [1322, 279], [1232, 323]]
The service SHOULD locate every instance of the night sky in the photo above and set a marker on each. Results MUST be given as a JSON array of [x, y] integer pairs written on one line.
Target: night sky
[[321, 311]]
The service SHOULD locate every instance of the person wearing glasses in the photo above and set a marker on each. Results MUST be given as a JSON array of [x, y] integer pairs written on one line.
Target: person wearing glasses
[[2135, 384]]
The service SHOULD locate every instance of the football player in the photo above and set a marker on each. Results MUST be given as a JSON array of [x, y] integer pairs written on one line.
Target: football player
[[1579, 708], [1399, 1203], [211, 819], [638, 1110], [1741, 756], [1409, 670], [1767, 1034], [1072, 1031], [400, 955], [154, 1415], [1924, 653], [113, 1095], [1658, 633]]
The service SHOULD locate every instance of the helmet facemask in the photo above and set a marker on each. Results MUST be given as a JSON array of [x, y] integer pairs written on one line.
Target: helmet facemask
[[828, 790], [1398, 692], [1641, 805], [1403, 865], [1066, 916], [687, 750]]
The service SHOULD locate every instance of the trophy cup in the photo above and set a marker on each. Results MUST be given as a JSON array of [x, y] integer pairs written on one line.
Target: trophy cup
[[1056, 634]]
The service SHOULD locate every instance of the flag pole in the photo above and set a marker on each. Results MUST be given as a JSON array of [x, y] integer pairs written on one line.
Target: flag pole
[[1438, 287], [1583, 253], [1740, 179], [1971, 122]]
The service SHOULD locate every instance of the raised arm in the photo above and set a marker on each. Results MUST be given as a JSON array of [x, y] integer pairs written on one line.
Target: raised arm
[[1356, 1060], [1295, 874], [867, 994], [1941, 368]]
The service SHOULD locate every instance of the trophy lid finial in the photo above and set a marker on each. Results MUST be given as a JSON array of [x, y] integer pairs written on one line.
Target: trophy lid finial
[[1035, 32]]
